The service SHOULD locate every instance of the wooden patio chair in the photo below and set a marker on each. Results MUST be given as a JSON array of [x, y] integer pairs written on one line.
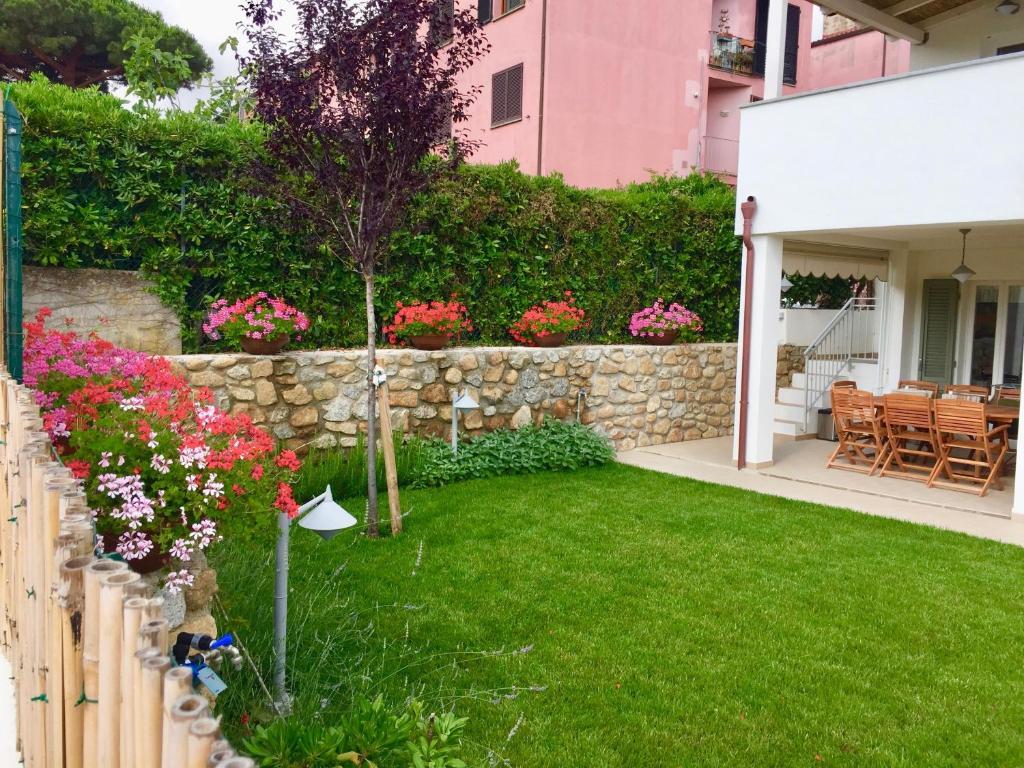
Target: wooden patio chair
[[925, 386], [974, 393], [861, 432], [970, 454], [913, 447], [843, 384], [1004, 393]]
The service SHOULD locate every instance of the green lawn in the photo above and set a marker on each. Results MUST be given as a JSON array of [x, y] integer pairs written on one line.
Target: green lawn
[[669, 623]]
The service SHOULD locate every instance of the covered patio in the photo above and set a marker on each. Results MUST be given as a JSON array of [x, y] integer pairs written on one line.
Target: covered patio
[[799, 473]]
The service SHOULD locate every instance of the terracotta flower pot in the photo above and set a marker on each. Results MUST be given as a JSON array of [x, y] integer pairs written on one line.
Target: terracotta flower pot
[[154, 561], [669, 337], [549, 339], [431, 341], [270, 346]]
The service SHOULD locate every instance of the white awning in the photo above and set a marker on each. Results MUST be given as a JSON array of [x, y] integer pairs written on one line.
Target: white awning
[[827, 260]]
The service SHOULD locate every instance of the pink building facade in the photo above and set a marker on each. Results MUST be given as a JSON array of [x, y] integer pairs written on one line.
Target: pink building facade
[[606, 93]]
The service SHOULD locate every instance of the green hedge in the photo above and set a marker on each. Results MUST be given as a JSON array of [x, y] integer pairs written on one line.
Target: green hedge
[[105, 187]]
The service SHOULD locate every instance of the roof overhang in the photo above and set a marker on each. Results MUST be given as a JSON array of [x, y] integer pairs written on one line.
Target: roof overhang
[[905, 19]]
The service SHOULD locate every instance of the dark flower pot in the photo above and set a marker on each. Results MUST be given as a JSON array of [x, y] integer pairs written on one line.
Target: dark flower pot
[[154, 561], [272, 346], [668, 338], [431, 341], [550, 339]]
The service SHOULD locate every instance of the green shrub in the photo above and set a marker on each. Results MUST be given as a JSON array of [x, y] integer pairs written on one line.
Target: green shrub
[[172, 196], [370, 734], [553, 446]]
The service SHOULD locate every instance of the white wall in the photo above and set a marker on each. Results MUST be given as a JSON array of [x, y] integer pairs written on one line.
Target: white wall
[[922, 148], [973, 35], [801, 327]]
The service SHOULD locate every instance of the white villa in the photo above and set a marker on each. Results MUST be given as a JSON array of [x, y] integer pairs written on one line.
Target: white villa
[[879, 179]]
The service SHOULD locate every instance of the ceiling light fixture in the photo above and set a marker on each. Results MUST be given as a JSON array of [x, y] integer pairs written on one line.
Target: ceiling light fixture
[[963, 273]]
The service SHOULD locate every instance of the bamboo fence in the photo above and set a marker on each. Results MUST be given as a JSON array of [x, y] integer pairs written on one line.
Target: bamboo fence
[[86, 638]]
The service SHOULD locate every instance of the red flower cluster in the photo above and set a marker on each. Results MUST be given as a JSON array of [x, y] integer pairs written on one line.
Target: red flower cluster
[[442, 318], [547, 318]]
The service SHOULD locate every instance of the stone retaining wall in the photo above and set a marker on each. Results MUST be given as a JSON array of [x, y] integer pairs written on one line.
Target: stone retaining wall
[[790, 361], [637, 395]]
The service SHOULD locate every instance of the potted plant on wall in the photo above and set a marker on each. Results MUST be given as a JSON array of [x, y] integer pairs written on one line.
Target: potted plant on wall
[[547, 324], [260, 324], [428, 324], [658, 324]]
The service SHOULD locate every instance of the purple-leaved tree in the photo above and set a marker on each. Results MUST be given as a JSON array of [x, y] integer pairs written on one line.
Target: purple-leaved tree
[[363, 106]]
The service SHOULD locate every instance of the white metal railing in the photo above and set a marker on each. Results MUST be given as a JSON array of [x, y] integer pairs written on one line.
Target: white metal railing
[[851, 336]]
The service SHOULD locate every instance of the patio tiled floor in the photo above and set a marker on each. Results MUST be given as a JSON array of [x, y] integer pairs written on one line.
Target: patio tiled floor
[[799, 473]]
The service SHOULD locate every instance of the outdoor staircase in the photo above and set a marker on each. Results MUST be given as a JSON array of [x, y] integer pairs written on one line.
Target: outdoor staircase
[[847, 348]]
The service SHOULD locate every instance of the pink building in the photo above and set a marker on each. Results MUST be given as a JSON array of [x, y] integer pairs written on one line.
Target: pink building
[[606, 92]]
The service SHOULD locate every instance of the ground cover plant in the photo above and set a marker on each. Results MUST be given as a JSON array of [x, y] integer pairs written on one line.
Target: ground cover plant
[[615, 617], [421, 463]]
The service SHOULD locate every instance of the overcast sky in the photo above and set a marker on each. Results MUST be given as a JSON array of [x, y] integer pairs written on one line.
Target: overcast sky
[[211, 22]]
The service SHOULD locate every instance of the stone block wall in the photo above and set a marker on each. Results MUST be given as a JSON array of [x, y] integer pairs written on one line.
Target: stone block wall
[[116, 304], [790, 361], [636, 395]]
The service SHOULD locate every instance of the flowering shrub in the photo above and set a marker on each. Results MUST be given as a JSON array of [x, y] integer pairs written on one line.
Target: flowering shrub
[[258, 317], [444, 318], [547, 318], [163, 469], [657, 321]]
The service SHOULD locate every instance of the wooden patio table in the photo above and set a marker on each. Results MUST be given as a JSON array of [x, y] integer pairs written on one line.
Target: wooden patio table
[[1003, 413]]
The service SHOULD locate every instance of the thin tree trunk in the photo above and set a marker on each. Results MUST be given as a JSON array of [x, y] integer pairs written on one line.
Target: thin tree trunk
[[372, 529]]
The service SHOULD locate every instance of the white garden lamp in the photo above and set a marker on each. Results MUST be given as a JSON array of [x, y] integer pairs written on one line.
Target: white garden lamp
[[326, 517], [460, 403]]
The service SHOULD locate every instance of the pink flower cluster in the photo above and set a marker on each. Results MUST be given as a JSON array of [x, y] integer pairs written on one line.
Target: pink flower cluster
[[258, 317], [659, 320], [164, 470]]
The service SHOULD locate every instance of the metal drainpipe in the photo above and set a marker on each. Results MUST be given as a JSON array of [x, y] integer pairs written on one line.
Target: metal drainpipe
[[543, 75], [748, 208]]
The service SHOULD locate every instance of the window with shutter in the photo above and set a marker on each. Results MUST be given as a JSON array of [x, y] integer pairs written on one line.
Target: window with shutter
[[760, 35], [792, 44], [511, 5], [507, 96], [484, 11], [938, 330], [442, 26]]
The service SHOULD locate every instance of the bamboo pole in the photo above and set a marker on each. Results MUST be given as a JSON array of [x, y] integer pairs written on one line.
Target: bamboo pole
[[185, 711], [55, 484], [387, 440], [151, 711], [218, 758], [177, 683], [108, 741], [133, 608], [91, 623], [39, 554], [202, 735], [72, 600], [153, 634]]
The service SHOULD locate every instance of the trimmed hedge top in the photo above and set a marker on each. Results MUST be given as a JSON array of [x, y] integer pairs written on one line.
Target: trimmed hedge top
[[108, 188]]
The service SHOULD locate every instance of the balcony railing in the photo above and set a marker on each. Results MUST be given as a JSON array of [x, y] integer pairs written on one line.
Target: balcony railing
[[733, 54], [720, 155]]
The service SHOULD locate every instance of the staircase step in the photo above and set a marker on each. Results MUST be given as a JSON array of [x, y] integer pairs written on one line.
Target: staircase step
[[798, 380], [791, 396], [789, 428], [788, 412]]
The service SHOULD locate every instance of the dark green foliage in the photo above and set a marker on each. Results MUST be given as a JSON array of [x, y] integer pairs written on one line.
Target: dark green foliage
[[553, 446], [86, 42], [820, 292], [104, 187]]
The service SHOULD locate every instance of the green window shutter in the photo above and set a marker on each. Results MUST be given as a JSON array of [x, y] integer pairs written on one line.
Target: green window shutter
[[484, 12], [938, 330]]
